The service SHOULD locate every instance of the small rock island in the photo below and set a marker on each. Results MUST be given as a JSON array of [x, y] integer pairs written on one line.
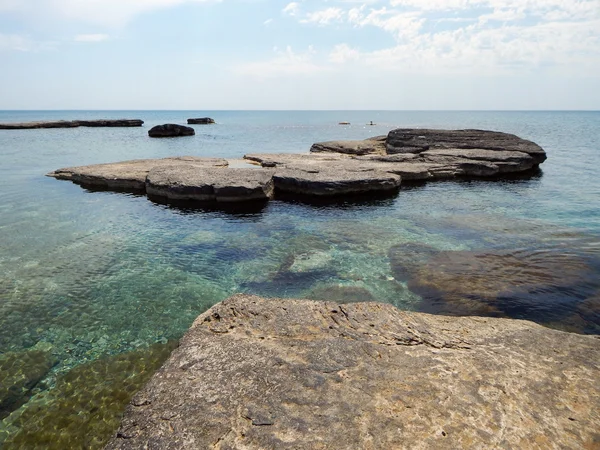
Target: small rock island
[[73, 124], [339, 168], [258, 373]]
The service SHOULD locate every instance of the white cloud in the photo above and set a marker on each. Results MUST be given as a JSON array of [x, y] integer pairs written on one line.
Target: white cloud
[[324, 16], [285, 63], [291, 9], [343, 53], [268, 22], [91, 37]]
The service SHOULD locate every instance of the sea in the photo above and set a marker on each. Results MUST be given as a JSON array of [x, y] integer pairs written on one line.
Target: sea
[[96, 287]]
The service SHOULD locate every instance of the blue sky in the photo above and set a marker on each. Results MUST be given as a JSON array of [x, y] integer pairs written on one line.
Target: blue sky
[[344, 54]]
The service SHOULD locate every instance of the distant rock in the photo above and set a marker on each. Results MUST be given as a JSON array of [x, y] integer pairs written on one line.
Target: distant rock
[[73, 124], [259, 373], [201, 121], [170, 130]]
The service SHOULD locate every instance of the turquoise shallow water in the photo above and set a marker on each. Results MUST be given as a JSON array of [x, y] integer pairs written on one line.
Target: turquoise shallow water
[[93, 274]]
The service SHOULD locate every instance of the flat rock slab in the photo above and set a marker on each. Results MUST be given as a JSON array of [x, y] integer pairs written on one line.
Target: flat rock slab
[[375, 145], [408, 140], [127, 175], [192, 183], [201, 121], [334, 182], [170, 130], [257, 373], [73, 124]]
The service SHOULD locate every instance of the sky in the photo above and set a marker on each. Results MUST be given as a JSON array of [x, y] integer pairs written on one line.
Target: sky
[[305, 54]]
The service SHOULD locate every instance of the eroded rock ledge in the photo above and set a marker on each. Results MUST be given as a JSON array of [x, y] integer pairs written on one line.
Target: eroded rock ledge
[[72, 124], [258, 373], [339, 168]]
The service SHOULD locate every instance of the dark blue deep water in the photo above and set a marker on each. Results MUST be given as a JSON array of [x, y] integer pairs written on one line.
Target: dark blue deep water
[[87, 275]]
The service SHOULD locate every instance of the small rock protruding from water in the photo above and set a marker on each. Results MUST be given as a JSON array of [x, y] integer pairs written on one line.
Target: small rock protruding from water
[[201, 121], [170, 130]]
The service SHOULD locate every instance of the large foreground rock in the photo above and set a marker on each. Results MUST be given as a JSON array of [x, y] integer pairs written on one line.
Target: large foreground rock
[[253, 373], [170, 130], [375, 145], [73, 124]]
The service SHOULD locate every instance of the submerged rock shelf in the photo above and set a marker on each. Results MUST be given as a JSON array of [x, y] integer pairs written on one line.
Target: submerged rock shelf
[[270, 373], [72, 124], [338, 168]]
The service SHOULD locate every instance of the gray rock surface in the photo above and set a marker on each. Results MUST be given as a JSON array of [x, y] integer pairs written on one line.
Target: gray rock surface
[[333, 182], [170, 130], [201, 121], [73, 124], [407, 140], [193, 183], [375, 145], [127, 175], [255, 373]]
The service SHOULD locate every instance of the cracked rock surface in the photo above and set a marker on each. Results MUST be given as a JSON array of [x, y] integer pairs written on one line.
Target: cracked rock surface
[[254, 373]]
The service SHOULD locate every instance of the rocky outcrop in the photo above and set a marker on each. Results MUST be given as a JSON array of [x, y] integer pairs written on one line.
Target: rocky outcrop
[[170, 130], [259, 373], [375, 145], [192, 183], [73, 124], [201, 121], [333, 169], [406, 140]]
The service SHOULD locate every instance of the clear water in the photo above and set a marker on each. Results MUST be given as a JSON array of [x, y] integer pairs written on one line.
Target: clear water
[[99, 273]]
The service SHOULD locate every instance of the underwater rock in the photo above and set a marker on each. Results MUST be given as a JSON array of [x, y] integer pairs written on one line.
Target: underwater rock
[[19, 373], [375, 145], [170, 130], [341, 294], [270, 373], [201, 121], [73, 124], [514, 282], [408, 257], [189, 182], [85, 406], [127, 175]]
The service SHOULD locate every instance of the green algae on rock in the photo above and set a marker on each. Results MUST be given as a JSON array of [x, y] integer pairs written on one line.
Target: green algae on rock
[[85, 406]]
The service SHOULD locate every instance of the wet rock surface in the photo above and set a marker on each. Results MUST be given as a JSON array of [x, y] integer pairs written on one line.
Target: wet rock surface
[[72, 124], [266, 373], [170, 130]]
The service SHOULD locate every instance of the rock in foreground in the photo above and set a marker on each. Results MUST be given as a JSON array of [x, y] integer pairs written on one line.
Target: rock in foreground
[[73, 124], [263, 374], [170, 130]]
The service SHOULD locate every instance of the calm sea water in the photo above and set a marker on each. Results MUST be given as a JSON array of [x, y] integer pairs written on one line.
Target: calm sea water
[[93, 274]]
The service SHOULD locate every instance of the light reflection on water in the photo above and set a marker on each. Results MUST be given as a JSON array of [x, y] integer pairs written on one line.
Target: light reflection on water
[[92, 274]]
